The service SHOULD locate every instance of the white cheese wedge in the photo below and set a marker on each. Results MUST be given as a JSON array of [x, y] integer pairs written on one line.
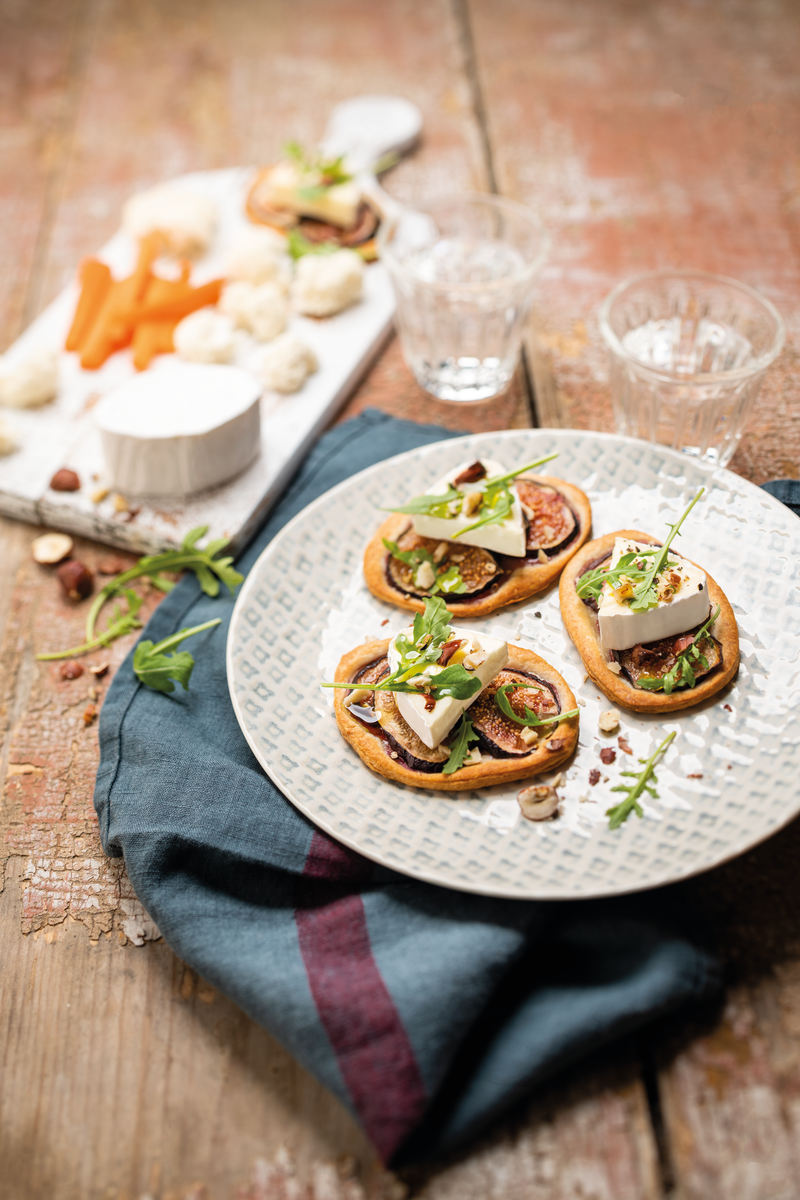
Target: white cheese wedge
[[338, 204], [508, 537], [621, 628], [181, 428], [432, 727]]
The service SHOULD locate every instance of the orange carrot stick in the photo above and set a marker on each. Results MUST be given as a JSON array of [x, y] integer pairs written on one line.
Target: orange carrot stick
[[95, 279], [178, 305], [112, 328], [152, 338]]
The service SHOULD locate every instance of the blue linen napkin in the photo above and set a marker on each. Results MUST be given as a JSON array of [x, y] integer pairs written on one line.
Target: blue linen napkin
[[426, 1011]]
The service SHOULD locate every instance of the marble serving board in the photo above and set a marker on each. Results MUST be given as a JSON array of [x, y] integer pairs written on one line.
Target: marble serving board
[[63, 434]]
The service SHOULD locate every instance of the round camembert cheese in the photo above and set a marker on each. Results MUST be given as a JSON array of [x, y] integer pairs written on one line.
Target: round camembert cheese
[[177, 430]]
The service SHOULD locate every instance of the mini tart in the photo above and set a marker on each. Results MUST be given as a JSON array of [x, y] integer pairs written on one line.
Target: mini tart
[[373, 747], [515, 579], [581, 623], [361, 238]]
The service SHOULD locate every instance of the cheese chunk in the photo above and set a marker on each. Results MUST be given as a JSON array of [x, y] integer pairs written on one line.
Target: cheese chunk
[[433, 727], [338, 204], [621, 628], [505, 538]]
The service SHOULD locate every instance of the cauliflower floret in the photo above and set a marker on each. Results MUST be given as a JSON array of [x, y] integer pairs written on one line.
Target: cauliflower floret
[[31, 383], [205, 336], [327, 283], [259, 256], [262, 310], [186, 220], [8, 438], [287, 363]]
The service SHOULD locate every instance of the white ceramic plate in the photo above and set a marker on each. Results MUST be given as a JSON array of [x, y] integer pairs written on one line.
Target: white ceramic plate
[[729, 780]]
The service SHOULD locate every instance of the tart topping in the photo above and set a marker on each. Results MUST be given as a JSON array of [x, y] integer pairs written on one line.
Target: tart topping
[[551, 520], [457, 569], [501, 731], [673, 662]]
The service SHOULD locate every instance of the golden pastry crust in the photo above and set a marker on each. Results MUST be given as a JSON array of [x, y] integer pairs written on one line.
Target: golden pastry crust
[[580, 621], [374, 751], [521, 583]]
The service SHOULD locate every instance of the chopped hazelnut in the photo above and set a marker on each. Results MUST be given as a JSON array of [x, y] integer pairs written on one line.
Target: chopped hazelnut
[[472, 502], [51, 548], [542, 556], [538, 802], [71, 670], [440, 552], [608, 756], [89, 713], [121, 504], [99, 669], [99, 495], [609, 720]]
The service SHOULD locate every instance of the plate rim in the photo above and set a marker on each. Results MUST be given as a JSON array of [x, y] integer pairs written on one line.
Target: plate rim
[[431, 877]]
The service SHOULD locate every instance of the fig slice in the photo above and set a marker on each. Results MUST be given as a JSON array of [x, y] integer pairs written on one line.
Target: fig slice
[[477, 567], [497, 731], [655, 659], [553, 522], [408, 746]]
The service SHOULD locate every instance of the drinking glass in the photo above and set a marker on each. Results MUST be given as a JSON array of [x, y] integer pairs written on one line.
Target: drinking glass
[[688, 352], [463, 269]]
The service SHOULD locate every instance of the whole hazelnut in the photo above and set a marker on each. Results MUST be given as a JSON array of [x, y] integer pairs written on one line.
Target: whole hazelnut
[[71, 670], [76, 579], [51, 548], [65, 481]]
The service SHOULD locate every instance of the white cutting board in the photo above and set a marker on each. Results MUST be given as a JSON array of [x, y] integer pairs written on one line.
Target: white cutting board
[[63, 434]]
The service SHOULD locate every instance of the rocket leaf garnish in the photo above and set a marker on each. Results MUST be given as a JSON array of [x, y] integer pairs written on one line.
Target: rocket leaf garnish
[[530, 718], [644, 578], [620, 812], [496, 502], [157, 669], [120, 624], [682, 674], [464, 734]]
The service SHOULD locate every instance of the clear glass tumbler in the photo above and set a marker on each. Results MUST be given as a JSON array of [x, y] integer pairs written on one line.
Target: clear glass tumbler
[[688, 353], [463, 269]]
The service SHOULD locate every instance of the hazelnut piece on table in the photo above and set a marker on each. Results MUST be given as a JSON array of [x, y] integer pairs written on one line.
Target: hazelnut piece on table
[[65, 480], [71, 670], [76, 579], [609, 720], [538, 802], [51, 548]]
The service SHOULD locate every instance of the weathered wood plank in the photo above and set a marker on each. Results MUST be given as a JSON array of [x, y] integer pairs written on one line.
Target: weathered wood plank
[[649, 136], [35, 45]]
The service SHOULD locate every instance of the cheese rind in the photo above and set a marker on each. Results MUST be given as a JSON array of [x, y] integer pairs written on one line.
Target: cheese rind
[[433, 727], [507, 537], [621, 627]]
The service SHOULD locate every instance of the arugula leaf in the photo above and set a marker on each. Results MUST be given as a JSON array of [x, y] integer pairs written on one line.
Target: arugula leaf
[[299, 245], [210, 569], [454, 680], [464, 734], [433, 625], [432, 504], [643, 579], [620, 812], [156, 669], [682, 673], [530, 718], [120, 624], [449, 581], [497, 503], [331, 170]]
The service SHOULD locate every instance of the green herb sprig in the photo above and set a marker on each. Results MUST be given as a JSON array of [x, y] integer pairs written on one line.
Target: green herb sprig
[[455, 681], [120, 624], [157, 669], [682, 674], [208, 566], [330, 172], [644, 783], [464, 734], [643, 579], [299, 245], [530, 718], [449, 581], [497, 500]]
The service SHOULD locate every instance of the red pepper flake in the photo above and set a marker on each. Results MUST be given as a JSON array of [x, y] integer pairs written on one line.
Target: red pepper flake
[[694, 776], [89, 713], [608, 756], [594, 776], [727, 707], [623, 745], [385, 621], [71, 670]]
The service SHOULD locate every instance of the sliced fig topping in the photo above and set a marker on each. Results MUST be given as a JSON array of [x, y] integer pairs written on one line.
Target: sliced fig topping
[[407, 745], [654, 660], [498, 733], [590, 601], [477, 567], [321, 231], [552, 523], [470, 474]]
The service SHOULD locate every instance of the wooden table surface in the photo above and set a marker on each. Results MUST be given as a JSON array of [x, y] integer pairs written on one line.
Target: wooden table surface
[[646, 134]]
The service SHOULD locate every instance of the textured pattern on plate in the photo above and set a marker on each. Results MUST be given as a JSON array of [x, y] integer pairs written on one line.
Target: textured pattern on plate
[[728, 781]]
